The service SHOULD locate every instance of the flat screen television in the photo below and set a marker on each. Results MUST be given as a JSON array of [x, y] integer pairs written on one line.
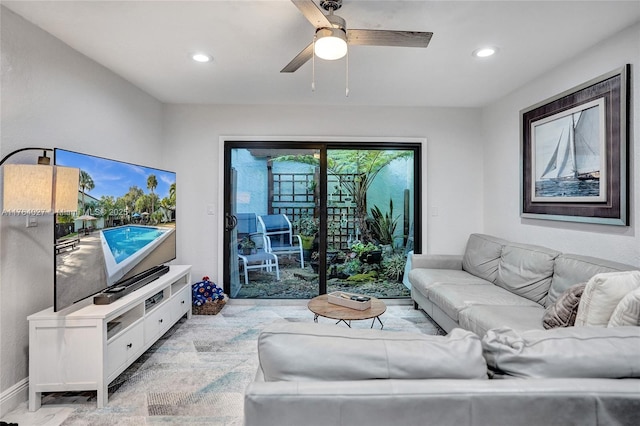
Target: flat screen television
[[124, 227]]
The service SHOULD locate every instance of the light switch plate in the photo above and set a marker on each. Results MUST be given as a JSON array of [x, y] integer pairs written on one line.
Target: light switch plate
[[32, 221]]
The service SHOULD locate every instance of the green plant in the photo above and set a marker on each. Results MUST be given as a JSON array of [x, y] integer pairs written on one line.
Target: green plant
[[307, 225], [364, 277], [352, 267], [360, 248], [65, 218], [393, 266], [383, 226], [247, 243]]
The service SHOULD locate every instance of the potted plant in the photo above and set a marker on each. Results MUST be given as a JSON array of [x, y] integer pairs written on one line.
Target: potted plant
[[367, 253], [307, 229], [247, 245]]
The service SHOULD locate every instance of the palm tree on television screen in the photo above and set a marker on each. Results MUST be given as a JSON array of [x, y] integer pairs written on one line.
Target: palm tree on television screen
[[152, 183], [86, 184]]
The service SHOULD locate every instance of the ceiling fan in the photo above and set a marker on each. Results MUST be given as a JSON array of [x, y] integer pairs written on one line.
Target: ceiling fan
[[332, 36]]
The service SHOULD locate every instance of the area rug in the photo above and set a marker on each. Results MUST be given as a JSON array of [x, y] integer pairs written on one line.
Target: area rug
[[197, 372]]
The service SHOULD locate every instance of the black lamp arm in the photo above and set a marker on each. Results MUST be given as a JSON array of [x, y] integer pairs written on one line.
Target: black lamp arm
[[6, 157]]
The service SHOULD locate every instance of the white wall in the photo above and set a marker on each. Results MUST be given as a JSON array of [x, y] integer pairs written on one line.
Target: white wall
[[52, 96], [502, 157], [454, 144]]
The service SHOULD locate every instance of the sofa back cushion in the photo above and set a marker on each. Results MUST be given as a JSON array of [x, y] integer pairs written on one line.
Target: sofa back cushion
[[570, 269], [526, 270], [482, 255], [578, 352], [312, 352]]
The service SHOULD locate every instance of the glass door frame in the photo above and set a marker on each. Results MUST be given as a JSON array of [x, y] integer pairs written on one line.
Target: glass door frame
[[417, 145]]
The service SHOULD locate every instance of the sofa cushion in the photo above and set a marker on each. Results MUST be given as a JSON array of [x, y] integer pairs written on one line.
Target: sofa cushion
[[307, 352], [562, 313], [435, 261], [526, 270], [628, 311], [482, 318], [423, 279], [482, 255], [602, 294], [453, 298], [570, 269], [603, 352]]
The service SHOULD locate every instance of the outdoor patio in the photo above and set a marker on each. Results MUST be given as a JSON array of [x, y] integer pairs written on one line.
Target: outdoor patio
[[298, 283]]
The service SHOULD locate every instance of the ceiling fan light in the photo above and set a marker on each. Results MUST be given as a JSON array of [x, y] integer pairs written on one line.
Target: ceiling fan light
[[485, 52], [331, 44], [201, 57]]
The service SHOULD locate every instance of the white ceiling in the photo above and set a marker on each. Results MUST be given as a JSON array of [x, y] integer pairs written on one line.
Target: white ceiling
[[149, 42]]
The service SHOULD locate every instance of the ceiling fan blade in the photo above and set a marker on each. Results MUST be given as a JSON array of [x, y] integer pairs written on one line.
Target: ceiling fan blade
[[312, 13], [389, 38], [299, 60]]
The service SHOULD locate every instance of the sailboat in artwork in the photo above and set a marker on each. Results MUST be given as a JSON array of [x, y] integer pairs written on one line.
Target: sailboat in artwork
[[577, 154]]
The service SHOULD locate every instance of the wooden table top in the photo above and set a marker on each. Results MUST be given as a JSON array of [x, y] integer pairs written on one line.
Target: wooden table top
[[320, 306]]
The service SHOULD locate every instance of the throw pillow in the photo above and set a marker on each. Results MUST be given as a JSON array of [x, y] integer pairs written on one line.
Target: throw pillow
[[562, 313], [312, 352], [628, 311], [576, 352], [602, 294]]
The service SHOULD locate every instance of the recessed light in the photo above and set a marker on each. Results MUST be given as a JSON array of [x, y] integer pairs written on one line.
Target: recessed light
[[485, 52], [201, 57]]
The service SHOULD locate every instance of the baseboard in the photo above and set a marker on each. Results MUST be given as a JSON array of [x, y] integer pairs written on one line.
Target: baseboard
[[14, 396]]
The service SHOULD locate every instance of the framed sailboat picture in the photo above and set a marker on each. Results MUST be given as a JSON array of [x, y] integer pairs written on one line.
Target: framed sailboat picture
[[574, 153], [568, 153]]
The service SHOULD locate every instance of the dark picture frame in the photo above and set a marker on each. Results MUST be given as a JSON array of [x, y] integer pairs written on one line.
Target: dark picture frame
[[574, 153]]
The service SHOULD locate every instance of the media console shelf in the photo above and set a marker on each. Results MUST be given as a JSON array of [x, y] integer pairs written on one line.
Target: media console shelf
[[88, 348]]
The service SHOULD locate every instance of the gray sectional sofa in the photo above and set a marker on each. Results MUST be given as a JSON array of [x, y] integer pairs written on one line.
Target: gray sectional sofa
[[497, 366], [498, 283], [327, 375]]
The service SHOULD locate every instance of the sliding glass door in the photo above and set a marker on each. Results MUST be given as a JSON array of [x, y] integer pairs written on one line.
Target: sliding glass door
[[302, 219]]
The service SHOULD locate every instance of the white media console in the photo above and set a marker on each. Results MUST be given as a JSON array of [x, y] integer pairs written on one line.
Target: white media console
[[88, 348]]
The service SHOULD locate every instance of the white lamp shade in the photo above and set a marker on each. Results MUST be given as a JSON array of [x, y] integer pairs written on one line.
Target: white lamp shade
[[66, 189], [27, 189], [331, 44]]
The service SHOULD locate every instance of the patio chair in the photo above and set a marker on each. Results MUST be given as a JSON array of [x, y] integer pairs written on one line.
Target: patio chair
[[247, 224], [280, 238], [261, 259]]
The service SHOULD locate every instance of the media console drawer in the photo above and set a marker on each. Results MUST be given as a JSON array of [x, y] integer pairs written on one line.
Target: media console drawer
[[181, 303], [125, 346], [157, 323]]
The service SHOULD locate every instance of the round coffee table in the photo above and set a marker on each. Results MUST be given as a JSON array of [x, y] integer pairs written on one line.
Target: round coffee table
[[322, 308]]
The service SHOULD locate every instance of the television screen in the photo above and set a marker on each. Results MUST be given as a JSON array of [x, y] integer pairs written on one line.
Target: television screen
[[125, 225]]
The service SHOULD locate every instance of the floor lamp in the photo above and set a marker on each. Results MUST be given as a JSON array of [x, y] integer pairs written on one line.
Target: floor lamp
[[36, 189]]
